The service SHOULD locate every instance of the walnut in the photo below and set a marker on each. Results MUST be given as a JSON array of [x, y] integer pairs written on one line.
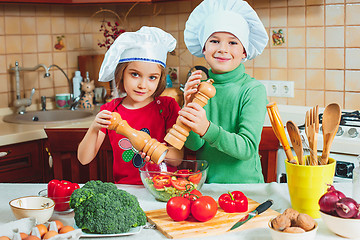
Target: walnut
[[280, 222], [305, 222], [294, 230], [292, 214]]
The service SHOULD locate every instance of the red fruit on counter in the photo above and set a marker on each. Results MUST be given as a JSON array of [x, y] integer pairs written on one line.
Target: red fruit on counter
[[204, 208], [178, 208], [60, 192], [328, 200], [235, 201]]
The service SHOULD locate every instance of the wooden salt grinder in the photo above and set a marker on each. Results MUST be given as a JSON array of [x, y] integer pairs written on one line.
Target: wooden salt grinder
[[140, 140], [179, 132]]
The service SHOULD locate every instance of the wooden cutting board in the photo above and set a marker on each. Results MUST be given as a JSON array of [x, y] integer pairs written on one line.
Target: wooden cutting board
[[220, 224]]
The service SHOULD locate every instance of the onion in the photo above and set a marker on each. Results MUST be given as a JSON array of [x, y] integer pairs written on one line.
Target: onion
[[346, 207], [328, 200]]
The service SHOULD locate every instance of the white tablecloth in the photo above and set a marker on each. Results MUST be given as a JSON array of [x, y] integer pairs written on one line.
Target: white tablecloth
[[258, 192]]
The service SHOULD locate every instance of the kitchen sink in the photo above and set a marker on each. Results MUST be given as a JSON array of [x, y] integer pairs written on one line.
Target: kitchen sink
[[48, 117]]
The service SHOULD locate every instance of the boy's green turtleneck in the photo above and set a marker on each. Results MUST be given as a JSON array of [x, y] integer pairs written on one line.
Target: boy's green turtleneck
[[236, 114]]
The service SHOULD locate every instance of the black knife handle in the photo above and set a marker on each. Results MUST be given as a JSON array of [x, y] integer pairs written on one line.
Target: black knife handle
[[264, 206]]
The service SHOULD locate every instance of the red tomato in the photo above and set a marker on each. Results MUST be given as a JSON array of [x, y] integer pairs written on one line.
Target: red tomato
[[161, 181], [204, 208], [193, 198], [178, 208], [195, 178], [184, 173], [179, 183]]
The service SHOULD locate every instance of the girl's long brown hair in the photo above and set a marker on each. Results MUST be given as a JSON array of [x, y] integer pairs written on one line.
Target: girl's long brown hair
[[119, 78]]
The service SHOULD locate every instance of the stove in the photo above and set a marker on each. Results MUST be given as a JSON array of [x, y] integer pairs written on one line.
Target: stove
[[344, 149]]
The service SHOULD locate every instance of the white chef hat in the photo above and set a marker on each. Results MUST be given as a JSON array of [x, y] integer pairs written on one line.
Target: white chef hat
[[148, 44], [233, 16]]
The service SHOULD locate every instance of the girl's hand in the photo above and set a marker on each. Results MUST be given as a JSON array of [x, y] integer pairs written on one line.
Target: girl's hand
[[191, 86], [194, 116], [144, 156], [102, 120]]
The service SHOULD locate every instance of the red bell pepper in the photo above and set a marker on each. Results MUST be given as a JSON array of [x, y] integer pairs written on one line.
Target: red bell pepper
[[60, 192], [235, 201], [161, 181]]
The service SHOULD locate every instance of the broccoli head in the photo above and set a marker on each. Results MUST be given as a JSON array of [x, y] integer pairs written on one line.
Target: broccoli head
[[103, 208]]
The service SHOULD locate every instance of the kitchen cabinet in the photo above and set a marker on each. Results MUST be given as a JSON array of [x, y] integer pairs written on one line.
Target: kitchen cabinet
[[63, 144], [23, 162]]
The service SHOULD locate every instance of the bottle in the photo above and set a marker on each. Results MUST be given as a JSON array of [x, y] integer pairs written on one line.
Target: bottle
[[356, 181], [77, 79]]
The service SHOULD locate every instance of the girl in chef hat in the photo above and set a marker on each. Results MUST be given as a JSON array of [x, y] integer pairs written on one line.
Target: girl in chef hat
[[136, 60], [227, 131]]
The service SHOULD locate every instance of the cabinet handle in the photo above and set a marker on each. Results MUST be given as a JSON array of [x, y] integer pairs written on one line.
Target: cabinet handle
[[4, 154], [50, 158]]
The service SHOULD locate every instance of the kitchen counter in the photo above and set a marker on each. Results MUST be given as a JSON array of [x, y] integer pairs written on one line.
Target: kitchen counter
[[258, 192]]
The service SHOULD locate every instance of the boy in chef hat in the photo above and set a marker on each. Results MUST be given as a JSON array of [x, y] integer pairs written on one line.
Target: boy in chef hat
[[227, 131], [136, 60]]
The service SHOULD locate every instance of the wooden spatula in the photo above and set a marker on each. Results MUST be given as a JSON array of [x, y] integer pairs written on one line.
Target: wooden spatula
[[330, 124], [295, 139]]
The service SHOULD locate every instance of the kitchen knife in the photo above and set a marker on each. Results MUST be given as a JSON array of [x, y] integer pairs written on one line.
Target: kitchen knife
[[260, 209]]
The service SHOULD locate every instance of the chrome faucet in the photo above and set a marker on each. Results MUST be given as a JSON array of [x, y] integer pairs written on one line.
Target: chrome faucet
[[22, 103]]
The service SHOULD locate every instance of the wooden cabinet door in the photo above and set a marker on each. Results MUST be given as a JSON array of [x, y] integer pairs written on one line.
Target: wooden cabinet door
[[63, 144], [22, 162]]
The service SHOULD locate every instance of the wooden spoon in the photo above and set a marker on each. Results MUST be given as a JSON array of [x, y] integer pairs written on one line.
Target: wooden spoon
[[295, 139], [330, 124]]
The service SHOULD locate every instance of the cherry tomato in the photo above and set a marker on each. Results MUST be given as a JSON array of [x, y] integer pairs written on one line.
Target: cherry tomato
[[161, 181], [179, 183], [204, 208], [195, 178], [178, 208]]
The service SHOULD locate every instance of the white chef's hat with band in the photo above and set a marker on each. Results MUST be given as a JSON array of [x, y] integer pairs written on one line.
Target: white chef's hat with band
[[148, 44], [234, 16]]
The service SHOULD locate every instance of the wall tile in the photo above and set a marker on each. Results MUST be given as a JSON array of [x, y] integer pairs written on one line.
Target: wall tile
[[57, 25], [334, 58], [27, 10], [264, 15], [296, 16], [315, 79], [13, 44], [28, 25], [279, 74], [263, 60], [43, 10], [314, 98], [298, 77], [12, 25], [262, 73], [352, 36], [44, 43], [332, 38], [315, 37], [315, 15], [334, 15], [352, 58], [314, 2], [183, 17], [352, 100], [315, 58], [299, 98], [296, 2], [334, 80], [352, 81], [337, 97], [4, 100], [2, 25], [72, 25], [296, 58], [171, 23], [2, 45], [12, 10], [334, 1], [59, 58], [296, 37], [278, 3], [159, 21], [278, 58], [4, 86], [352, 14], [278, 17], [29, 44]]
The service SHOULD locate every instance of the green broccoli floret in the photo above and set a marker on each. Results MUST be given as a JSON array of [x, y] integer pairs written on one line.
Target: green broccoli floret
[[103, 208]]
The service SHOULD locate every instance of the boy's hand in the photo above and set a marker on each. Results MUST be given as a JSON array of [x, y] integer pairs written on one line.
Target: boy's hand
[[191, 86], [194, 116], [102, 120]]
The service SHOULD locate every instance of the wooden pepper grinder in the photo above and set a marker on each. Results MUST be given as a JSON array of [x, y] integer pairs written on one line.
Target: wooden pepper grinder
[[179, 132], [140, 140]]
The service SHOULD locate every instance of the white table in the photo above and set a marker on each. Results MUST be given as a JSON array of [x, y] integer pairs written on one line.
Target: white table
[[258, 192]]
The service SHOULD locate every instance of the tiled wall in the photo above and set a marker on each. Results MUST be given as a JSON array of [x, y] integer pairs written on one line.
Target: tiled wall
[[320, 54]]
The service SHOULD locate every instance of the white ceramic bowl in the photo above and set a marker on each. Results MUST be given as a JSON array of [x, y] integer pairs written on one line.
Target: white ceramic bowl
[[344, 227], [278, 235], [40, 208]]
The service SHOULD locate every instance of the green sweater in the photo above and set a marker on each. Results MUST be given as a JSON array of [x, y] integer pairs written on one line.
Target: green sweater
[[236, 114]]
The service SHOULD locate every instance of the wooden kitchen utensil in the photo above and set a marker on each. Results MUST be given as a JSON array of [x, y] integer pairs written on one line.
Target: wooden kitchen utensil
[[220, 224], [295, 139], [310, 130], [330, 124], [179, 132], [279, 131], [140, 140]]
